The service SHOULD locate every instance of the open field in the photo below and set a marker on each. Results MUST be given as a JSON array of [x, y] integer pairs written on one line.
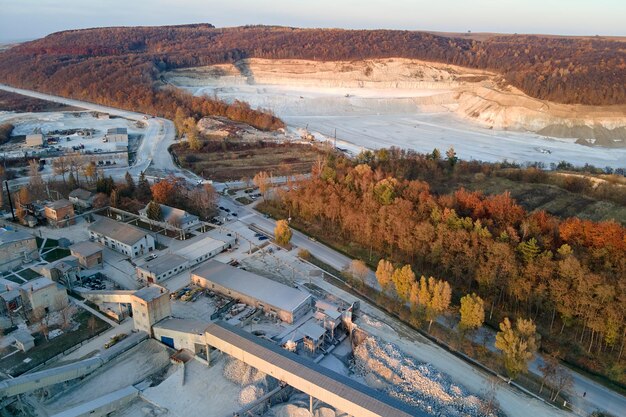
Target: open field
[[226, 161]]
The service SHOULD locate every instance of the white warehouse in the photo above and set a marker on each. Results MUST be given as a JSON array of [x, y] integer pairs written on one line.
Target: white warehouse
[[121, 237]]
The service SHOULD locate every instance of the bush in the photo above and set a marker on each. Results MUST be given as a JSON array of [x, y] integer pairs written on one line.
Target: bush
[[304, 254]]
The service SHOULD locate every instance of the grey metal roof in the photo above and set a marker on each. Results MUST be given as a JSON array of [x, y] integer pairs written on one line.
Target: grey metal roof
[[199, 247], [86, 248], [265, 290], [55, 205], [37, 284], [8, 236], [172, 215], [183, 325], [163, 263], [150, 293], [117, 131], [121, 232], [81, 194], [347, 388]]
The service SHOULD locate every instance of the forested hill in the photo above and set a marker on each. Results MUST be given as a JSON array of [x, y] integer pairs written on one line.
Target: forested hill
[[559, 69]]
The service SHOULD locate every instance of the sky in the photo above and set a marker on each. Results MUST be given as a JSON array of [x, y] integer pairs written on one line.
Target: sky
[[30, 19]]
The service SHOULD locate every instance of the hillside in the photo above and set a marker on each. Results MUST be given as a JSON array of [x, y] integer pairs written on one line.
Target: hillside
[[403, 86], [122, 66]]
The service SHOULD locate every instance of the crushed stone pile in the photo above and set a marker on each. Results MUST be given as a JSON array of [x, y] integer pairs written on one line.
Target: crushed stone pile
[[254, 382], [419, 384]]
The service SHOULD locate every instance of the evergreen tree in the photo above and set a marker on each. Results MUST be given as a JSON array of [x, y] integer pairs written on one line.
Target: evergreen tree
[[153, 211], [71, 182], [130, 183], [144, 193]]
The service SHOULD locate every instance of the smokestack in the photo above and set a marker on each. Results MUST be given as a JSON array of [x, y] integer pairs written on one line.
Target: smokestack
[[6, 184]]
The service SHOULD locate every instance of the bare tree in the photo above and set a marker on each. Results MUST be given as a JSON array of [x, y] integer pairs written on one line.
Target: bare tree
[[60, 167], [92, 324]]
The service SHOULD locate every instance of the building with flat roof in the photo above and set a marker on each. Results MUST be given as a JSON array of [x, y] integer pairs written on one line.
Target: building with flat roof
[[150, 305], [161, 268], [121, 237], [182, 334], [16, 248], [59, 213], [174, 216], [43, 293], [287, 303], [65, 271], [199, 250], [89, 254]]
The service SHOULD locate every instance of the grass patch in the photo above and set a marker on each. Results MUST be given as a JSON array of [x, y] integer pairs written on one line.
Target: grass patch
[[45, 350], [56, 254], [51, 243], [233, 160], [28, 274], [244, 200]]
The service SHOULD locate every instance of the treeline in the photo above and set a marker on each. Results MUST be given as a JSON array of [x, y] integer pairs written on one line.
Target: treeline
[[567, 275], [5, 132], [566, 70]]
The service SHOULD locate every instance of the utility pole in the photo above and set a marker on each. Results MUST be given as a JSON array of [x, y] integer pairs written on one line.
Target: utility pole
[[6, 184]]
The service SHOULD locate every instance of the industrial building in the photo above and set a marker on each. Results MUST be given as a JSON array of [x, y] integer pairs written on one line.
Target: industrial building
[[59, 213], [121, 237], [82, 199], [16, 247], [65, 271], [199, 250], [117, 134], [43, 293], [89, 254], [182, 334], [162, 268], [287, 303], [174, 216]]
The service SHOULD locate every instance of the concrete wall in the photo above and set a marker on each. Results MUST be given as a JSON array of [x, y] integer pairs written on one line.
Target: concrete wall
[[182, 340], [145, 314], [59, 216], [89, 261]]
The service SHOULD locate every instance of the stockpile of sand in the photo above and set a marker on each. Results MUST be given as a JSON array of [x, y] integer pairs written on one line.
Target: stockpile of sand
[[419, 384]]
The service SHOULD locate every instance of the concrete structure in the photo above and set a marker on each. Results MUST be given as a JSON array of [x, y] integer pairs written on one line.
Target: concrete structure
[[121, 237], [117, 134], [174, 216], [182, 334], [43, 293], [161, 268], [150, 305], [65, 271], [118, 158], [88, 254], [199, 250], [10, 299], [35, 139], [16, 247], [82, 199], [102, 406], [24, 340], [287, 303], [305, 375], [60, 213]]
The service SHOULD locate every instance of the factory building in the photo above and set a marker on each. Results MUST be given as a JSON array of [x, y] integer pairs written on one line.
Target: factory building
[[89, 254], [182, 334], [60, 213], [121, 237], [35, 139], [161, 268], [16, 247], [42, 293], [174, 216], [287, 303]]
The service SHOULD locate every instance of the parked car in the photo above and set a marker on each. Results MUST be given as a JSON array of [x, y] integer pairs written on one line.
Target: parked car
[[263, 238]]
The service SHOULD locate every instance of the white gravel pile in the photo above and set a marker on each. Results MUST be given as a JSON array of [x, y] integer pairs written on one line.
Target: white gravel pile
[[254, 382], [418, 384]]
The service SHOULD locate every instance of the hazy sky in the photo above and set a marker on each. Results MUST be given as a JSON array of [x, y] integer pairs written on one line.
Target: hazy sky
[[27, 19]]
